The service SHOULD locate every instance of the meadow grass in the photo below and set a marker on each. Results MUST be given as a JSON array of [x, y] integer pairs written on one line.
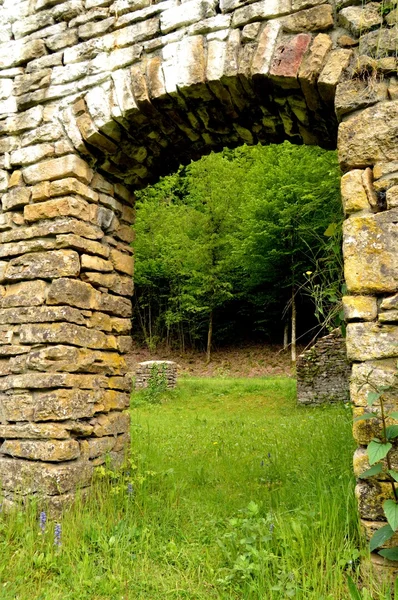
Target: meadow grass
[[231, 492]]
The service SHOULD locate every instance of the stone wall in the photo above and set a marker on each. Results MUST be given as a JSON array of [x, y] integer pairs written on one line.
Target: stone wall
[[323, 371], [100, 97], [160, 372]]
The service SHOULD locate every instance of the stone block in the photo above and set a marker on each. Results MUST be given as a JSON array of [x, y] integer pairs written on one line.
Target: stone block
[[52, 405], [74, 293], [111, 424], [368, 341], [122, 262], [318, 18], [353, 193], [70, 185], [115, 305], [258, 11], [355, 94], [41, 314], [69, 359], [36, 431], [66, 333], [61, 207], [16, 198], [193, 11], [18, 248], [76, 242], [362, 308], [265, 48], [47, 265], [16, 53], [48, 451], [370, 497], [336, 62], [30, 477], [359, 19], [287, 59], [98, 446], [58, 168], [118, 284], [26, 293]]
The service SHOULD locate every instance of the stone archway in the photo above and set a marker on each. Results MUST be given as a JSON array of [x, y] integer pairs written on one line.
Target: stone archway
[[101, 99]]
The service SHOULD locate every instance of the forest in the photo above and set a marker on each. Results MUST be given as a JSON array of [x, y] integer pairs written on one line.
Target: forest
[[233, 246]]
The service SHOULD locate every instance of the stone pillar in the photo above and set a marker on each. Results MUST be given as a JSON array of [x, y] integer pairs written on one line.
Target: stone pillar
[[163, 371], [369, 155], [65, 305]]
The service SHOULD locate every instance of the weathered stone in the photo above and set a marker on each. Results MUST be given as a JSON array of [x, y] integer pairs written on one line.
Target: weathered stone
[[31, 477], [359, 146], [336, 62], [26, 293], [19, 52], [379, 43], [287, 59], [18, 248], [363, 308], [41, 314], [389, 303], [98, 446], [354, 94], [392, 197], [49, 451], [61, 207], [53, 227], [94, 263], [58, 168], [353, 193], [368, 341], [318, 18], [52, 264], [122, 262], [53, 405], [360, 19], [389, 316], [111, 424], [66, 333], [36, 431], [370, 246], [258, 11], [117, 284], [16, 198], [370, 496], [73, 292], [71, 185]]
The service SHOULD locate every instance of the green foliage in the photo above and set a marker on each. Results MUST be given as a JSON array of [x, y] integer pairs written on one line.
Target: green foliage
[[235, 230], [157, 384]]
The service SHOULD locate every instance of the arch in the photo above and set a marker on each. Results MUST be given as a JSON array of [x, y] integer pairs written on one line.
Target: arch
[[99, 99]]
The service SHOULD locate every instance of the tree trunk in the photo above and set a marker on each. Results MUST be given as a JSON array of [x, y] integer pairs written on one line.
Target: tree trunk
[[209, 336], [286, 336], [293, 345]]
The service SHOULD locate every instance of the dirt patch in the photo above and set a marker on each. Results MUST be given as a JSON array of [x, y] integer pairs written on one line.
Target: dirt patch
[[244, 361]]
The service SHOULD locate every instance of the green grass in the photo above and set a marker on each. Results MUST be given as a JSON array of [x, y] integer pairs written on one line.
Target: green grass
[[238, 494]]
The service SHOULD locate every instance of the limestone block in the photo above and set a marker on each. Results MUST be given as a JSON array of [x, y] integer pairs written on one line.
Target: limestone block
[[379, 43], [61, 207], [94, 263], [392, 197], [111, 424], [287, 59], [41, 314], [58, 168], [114, 400], [49, 451], [360, 307], [115, 305], [6, 221], [31, 477], [311, 67], [16, 198], [192, 12], [4, 181], [358, 19], [18, 248], [368, 341], [15, 179], [51, 264], [266, 45], [16, 53], [336, 62], [53, 405], [53, 227], [353, 193], [26, 293], [359, 146], [369, 528], [95, 29], [66, 333], [34, 380], [258, 11], [70, 360], [355, 94], [370, 245], [74, 293], [99, 446], [23, 121], [124, 343], [389, 316], [318, 18], [389, 303], [75, 242], [122, 262], [117, 284], [361, 462], [35, 431], [370, 497]]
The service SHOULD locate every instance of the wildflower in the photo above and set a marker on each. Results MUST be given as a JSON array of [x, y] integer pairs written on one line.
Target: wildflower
[[57, 535], [269, 454], [42, 521], [271, 527], [308, 272], [130, 489]]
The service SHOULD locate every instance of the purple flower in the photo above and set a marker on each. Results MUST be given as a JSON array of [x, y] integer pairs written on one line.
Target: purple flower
[[57, 535], [130, 489], [42, 521]]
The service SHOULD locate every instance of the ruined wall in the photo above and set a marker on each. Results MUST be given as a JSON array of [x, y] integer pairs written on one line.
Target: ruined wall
[[100, 97], [323, 371]]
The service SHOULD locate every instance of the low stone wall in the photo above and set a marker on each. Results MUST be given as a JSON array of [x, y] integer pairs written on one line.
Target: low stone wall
[[323, 371], [156, 369]]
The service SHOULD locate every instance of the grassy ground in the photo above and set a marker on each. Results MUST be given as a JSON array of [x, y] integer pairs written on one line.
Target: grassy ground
[[231, 492]]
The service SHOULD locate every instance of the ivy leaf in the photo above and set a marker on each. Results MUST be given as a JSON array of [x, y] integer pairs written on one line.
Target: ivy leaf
[[380, 536], [392, 432], [394, 474], [377, 451], [390, 508], [366, 416], [373, 397], [375, 470], [390, 553]]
